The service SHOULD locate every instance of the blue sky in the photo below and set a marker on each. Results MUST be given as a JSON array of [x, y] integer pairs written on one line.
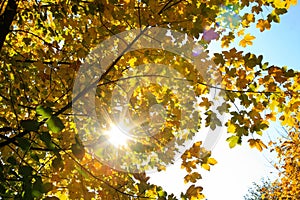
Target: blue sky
[[280, 45], [237, 168]]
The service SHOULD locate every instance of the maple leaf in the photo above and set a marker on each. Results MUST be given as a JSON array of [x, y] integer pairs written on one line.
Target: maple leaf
[[209, 35], [45, 44], [247, 40], [257, 143], [263, 24], [241, 32]]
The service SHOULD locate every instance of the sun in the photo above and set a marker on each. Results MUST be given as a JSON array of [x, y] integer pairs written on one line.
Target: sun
[[117, 137]]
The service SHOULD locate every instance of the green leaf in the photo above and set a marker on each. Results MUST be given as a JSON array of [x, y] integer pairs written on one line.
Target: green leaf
[[263, 126], [30, 125], [12, 160], [265, 66], [26, 171], [36, 193], [233, 141], [55, 124], [23, 143], [2, 119], [290, 73], [46, 138], [35, 157], [161, 192], [57, 163], [47, 187], [45, 112], [2, 189], [81, 171], [280, 11], [38, 185]]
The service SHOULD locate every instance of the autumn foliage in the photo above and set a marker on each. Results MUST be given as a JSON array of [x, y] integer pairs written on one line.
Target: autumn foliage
[[42, 47]]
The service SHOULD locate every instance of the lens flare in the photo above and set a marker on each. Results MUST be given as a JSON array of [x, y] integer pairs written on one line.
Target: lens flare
[[117, 137]]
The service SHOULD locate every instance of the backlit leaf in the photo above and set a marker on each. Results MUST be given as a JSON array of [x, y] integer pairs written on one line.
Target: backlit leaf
[[247, 40], [45, 112], [233, 141], [55, 124]]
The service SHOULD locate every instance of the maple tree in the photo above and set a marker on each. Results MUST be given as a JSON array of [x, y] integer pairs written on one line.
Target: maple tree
[[286, 185], [288, 154], [43, 45]]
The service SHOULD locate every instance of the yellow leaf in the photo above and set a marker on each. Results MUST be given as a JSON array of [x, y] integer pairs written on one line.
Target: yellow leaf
[[161, 168], [199, 197], [288, 120], [127, 1], [61, 195], [279, 3], [197, 144], [270, 143], [273, 104], [247, 40], [241, 32], [12, 77], [231, 128], [298, 116], [212, 161], [205, 166], [250, 17]]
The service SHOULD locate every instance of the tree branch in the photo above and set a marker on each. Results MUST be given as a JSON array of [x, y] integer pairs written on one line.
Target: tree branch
[[6, 20]]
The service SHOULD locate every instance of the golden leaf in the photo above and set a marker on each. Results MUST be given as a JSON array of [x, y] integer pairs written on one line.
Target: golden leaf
[[211, 161], [263, 24], [205, 166], [247, 40], [257, 143]]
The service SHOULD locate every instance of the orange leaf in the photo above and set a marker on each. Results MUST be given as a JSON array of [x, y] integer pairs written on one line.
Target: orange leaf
[[263, 24], [257, 143], [247, 40]]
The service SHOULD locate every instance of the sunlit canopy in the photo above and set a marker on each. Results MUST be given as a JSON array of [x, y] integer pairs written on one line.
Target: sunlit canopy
[[116, 136]]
